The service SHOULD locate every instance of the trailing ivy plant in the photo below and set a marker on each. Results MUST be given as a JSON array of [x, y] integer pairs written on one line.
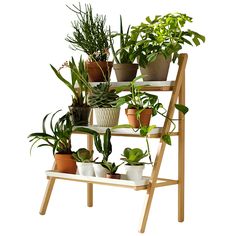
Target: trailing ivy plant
[[163, 35], [90, 33]]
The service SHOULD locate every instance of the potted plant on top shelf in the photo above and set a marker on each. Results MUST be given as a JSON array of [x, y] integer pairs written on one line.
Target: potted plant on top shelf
[[103, 100], [159, 42], [125, 68], [92, 37], [59, 139], [79, 109], [134, 168], [85, 161]]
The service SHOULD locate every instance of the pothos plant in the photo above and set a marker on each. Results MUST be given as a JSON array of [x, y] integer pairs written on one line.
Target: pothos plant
[[141, 100]]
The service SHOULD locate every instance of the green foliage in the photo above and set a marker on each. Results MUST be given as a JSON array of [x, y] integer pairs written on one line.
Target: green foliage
[[126, 52], [59, 137], [133, 156], [111, 166], [163, 35], [79, 76], [83, 155], [103, 96], [90, 33], [106, 148]]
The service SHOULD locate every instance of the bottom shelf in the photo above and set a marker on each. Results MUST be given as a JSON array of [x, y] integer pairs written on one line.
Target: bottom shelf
[[123, 182]]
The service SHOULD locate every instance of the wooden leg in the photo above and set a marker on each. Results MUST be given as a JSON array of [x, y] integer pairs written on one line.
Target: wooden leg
[[89, 195], [147, 206], [181, 143]]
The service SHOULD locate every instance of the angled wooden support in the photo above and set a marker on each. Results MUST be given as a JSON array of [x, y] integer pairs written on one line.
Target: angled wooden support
[[48, 192], [162, 145]]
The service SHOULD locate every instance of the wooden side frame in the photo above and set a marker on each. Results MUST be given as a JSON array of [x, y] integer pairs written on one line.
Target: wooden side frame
[[178, 91]]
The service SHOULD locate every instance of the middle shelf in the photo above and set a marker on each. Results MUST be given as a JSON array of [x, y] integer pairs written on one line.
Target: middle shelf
[[125, 132]]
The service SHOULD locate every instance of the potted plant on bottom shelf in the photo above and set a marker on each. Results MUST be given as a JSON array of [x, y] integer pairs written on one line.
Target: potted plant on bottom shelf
[[84, 159], [134, 168], [103, 100], [125, 68], [92, 37], [79, 110], [59, 139], [104, 148], [112, 168], [159, 41]]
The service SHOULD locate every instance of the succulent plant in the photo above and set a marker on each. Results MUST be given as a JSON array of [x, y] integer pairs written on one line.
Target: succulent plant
[[111, 166], [102, 96], [133, 156], [83, 155]]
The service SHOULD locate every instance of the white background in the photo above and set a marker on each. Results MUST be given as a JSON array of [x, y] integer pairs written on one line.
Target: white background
[[32, 37]]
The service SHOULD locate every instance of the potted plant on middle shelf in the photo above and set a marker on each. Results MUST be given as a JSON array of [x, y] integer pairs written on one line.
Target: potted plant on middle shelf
[[59, 139], [125, 68], [92, 37], [112, 168], [79, 109], [103, 100], [160, 40], [84, 159], [134, 168]]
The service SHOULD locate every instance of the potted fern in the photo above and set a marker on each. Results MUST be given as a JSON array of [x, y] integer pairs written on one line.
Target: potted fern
[[125, 68], [79, 109], [103, 100], [160, 40], [84, 159], [58, 138], [134, 168], [92, 37]]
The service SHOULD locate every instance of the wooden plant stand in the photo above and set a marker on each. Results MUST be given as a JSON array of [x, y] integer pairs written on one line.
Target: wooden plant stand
[[148, 184]]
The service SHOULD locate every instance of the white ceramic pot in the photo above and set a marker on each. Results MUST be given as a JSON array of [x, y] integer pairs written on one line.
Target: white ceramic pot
[[85, 169], [134, 172], [107, 117], [99, 170]]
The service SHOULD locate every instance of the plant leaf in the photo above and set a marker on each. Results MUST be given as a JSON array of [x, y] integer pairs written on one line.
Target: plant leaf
[[182, 108]]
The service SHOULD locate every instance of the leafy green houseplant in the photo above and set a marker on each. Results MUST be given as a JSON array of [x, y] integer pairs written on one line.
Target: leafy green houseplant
[[91, 36], [125, 68], [79, 87], [103, 100], [84, 160], [112, 168], [134, 167], [58, 138], [160, 40], [104, 148]]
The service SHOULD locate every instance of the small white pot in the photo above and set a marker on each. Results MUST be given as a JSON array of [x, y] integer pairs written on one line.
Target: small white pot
[[107, 117], [134, 172], [85, 169], [99, 170]]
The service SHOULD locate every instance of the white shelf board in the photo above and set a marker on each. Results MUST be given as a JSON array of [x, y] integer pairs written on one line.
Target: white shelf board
[[97, 180]]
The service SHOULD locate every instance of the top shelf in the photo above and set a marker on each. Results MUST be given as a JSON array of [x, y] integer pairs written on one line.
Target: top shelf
[[146, 85]]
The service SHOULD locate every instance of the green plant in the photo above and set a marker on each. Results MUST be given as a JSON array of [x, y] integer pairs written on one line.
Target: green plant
[[126, 52], [79, 76], [111, 166], [133, 156], [163, 35], [83, 155], [106, 148], [103, 96], [59, 137], [90, 33]]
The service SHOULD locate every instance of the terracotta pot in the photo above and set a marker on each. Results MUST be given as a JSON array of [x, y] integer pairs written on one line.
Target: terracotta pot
[[107, 117], [99, 71], [125, 72], [79, 115], [65, 163], [156, 70], [113, 176], [145, 117]]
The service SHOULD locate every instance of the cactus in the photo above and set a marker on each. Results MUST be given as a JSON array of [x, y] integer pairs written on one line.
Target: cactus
[[102, 96]]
